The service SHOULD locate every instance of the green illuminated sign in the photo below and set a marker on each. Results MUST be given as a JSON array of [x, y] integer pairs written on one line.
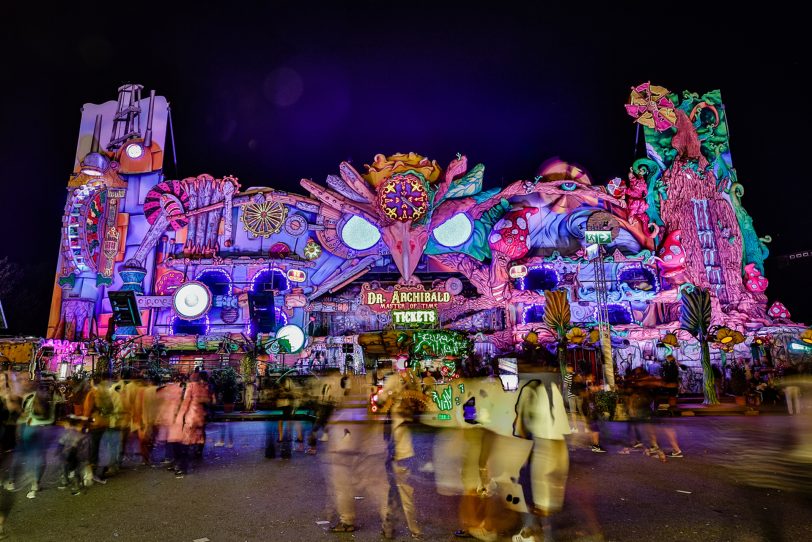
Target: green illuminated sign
[[415, 317], [598, 237], [443, 400], [439, 343]]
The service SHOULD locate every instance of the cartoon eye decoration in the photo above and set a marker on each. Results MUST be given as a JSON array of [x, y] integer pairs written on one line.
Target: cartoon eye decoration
[[360, 234], [569, 186], [454, 231]]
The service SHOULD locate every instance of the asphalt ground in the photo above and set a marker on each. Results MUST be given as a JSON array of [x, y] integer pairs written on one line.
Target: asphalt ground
[[732, 485]]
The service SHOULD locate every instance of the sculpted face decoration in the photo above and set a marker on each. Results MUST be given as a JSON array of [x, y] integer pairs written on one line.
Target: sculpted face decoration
[[405, 195], [395, 197]]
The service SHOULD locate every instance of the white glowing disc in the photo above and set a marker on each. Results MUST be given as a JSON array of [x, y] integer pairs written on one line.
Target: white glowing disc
[[294, 335], [191, 300]]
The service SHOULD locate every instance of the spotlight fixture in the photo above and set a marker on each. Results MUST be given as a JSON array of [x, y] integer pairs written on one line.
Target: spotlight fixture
[[95, 164], [134, 150]]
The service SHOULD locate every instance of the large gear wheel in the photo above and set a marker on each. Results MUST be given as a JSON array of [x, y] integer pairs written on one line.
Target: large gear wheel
[[264, 218]]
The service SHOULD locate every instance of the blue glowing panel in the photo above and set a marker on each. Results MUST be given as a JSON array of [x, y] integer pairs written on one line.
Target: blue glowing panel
[[359, 234], [269, 279], [454, 231], [217, 280], [539, 279], [638, 278], [533, 314], [619, 315], [190, 327]]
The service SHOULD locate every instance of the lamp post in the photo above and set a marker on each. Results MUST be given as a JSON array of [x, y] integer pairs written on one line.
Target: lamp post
[[91, 353], [223, 354]]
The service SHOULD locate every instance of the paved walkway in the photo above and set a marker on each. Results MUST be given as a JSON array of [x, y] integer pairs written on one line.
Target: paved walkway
[[238, 495]]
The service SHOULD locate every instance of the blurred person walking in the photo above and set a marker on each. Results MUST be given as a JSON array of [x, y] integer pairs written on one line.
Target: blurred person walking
[[170, 429], [401, 398], [10, 407], [74, 450], [38, 412], [542, 417], [145, 416], [193, 418], [593, 417], [356, 463]]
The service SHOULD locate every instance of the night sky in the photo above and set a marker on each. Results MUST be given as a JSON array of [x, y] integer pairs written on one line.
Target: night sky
[[274, 92]]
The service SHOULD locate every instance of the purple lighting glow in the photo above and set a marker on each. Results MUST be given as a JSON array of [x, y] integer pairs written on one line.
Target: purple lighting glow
[[269, 279], [539, 277], [179, 326], [533, 314], [218, 281]]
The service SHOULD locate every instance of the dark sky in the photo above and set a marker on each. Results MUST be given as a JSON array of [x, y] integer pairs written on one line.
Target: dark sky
[[276, 91]]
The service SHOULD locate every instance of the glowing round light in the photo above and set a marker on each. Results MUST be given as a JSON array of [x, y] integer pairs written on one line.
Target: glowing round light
[[294, 335], [359, 234], [726, 340], [454, 231], [134, 150], [191, 300], [517, 272], [94, 164]]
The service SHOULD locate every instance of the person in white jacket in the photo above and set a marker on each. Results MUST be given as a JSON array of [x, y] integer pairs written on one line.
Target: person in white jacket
[[542, 417]]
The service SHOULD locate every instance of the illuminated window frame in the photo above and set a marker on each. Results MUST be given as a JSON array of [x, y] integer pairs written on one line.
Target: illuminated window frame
[[217, 270], [270, 271]]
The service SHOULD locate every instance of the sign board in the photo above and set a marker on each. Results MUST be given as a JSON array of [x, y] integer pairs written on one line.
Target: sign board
[[593, 251], [517, 271], [599, 237], [125, 308], [402, 297], [296, 275], [154, 301], [415, 317]]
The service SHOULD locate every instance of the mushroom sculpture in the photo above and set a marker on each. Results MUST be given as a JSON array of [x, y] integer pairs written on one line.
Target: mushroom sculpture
[[753, 280], [778, 311], [672, 255], [509, 241]]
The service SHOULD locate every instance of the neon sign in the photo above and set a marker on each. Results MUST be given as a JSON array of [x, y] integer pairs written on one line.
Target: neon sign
[[439, 343], [414, 317]]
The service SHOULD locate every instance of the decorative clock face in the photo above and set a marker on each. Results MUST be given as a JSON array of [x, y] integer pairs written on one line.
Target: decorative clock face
[[403, 197]]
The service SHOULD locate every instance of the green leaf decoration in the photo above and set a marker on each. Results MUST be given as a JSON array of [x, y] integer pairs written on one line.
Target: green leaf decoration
[[467, 185], [284, 345], [695, 313]]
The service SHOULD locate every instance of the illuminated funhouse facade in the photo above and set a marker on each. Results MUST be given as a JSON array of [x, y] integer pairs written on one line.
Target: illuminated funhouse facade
[[409, 242]]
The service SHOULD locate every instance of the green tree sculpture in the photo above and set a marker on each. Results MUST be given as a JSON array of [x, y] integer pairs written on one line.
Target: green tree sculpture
[[695, 318]]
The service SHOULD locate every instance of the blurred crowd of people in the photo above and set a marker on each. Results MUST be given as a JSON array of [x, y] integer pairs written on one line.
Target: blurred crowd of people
[[503, 450]]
